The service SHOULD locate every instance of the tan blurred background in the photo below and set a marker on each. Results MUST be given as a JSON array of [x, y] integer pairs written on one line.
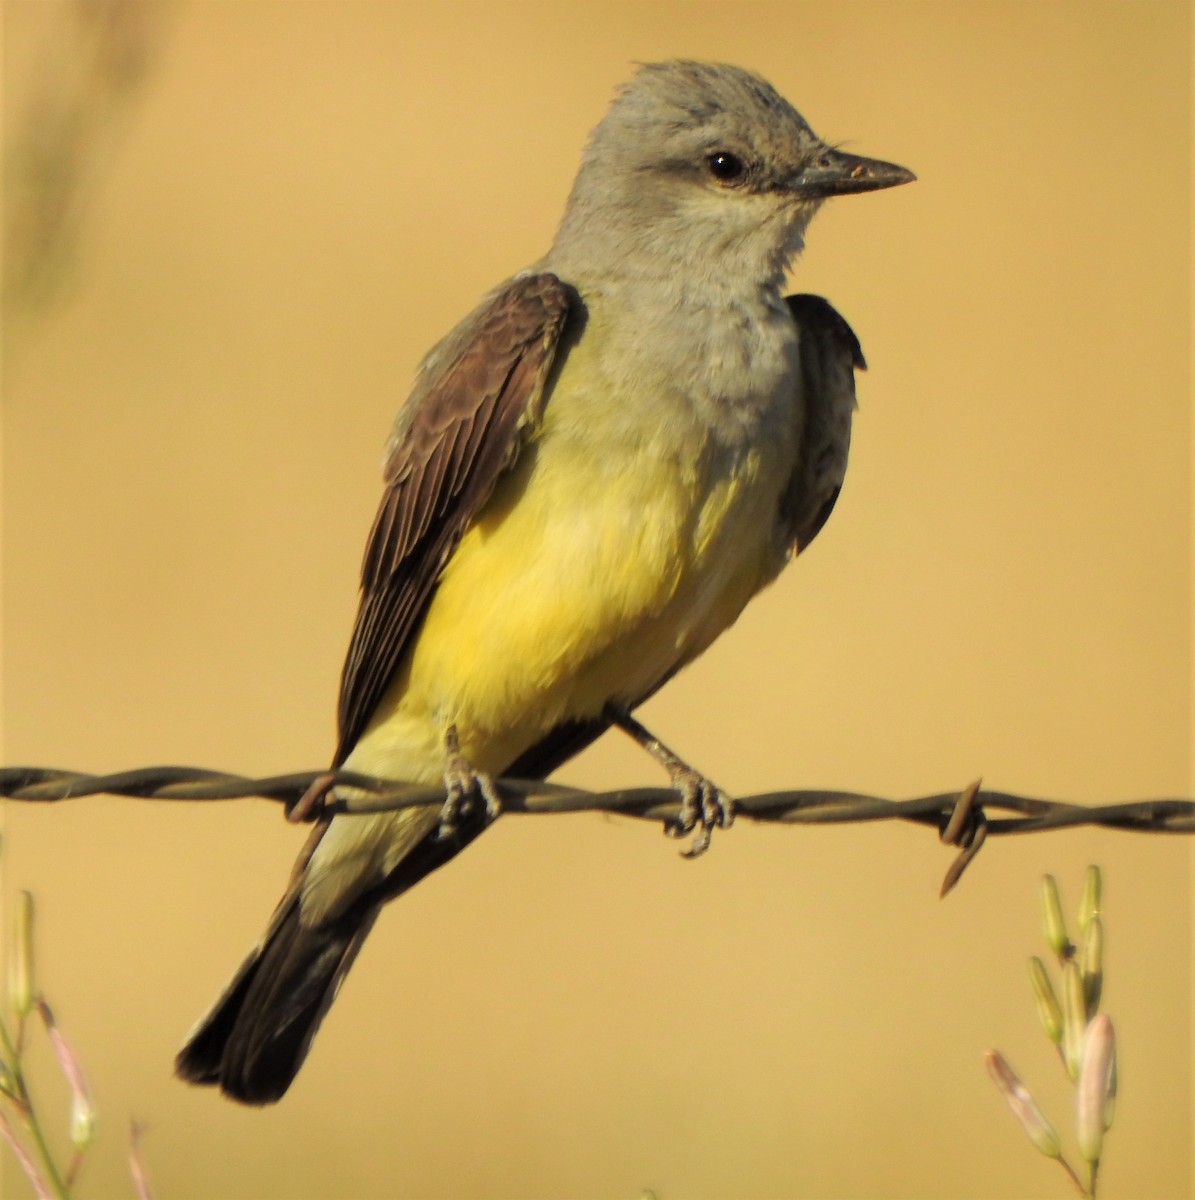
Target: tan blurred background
[[252, 220]]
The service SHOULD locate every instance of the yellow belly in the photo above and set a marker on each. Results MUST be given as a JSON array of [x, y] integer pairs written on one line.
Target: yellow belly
[[579, 584]]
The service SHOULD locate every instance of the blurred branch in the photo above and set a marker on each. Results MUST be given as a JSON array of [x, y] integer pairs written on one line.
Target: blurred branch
[[62, 131], [961, 818]]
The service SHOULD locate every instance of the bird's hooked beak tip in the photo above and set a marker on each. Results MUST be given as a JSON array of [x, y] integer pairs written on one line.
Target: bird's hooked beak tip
[[836, 173]]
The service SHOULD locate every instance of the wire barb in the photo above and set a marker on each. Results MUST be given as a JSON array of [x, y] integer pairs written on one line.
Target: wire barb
[[966, 828], [961, 817]]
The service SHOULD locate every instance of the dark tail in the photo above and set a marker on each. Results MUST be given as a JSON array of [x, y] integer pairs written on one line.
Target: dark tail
[[255, 1038], [253, 1042]]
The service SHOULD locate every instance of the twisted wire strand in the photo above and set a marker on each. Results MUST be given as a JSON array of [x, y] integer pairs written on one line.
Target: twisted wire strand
[[961, 818]]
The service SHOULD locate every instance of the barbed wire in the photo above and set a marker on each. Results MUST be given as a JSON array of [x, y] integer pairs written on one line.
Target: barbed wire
[[961, 818]]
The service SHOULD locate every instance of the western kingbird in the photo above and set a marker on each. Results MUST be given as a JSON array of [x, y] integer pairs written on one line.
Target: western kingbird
[[595, 471]]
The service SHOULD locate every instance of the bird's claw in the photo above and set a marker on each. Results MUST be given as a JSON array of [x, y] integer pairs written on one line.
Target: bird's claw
[[704, 807], [466, 787]]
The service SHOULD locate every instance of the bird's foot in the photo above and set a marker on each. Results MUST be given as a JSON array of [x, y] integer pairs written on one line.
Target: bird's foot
[[466, 788], [704, 807]]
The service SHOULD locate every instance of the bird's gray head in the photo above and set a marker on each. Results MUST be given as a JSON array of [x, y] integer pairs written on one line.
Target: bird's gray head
[[705, 165]]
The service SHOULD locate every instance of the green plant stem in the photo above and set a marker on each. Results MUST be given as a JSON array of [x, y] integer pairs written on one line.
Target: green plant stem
[[24, 1103]]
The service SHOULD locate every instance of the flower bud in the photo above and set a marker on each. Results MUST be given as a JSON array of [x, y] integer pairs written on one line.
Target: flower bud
[[20, 959], [1074, 1017], [1089, 905], [82, 1122], [82, 1113], [1091, 963], [1053, 924], [1097, 1086], [137, 1164], [1041, 1133], [1049, 1011]]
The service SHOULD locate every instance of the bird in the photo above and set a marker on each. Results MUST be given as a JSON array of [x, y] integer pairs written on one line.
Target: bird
[[594, 472]]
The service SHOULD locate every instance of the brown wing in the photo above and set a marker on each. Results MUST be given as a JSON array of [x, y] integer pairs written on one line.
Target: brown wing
[[830, 355], [478, 394]]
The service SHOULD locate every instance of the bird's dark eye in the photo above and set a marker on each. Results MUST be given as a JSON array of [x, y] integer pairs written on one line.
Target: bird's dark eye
[[726, 167]]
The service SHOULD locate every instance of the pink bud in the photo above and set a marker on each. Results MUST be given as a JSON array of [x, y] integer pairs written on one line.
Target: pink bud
[[136, 1164], [82, 1112], [1097, 1074], [1024, 1107]]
